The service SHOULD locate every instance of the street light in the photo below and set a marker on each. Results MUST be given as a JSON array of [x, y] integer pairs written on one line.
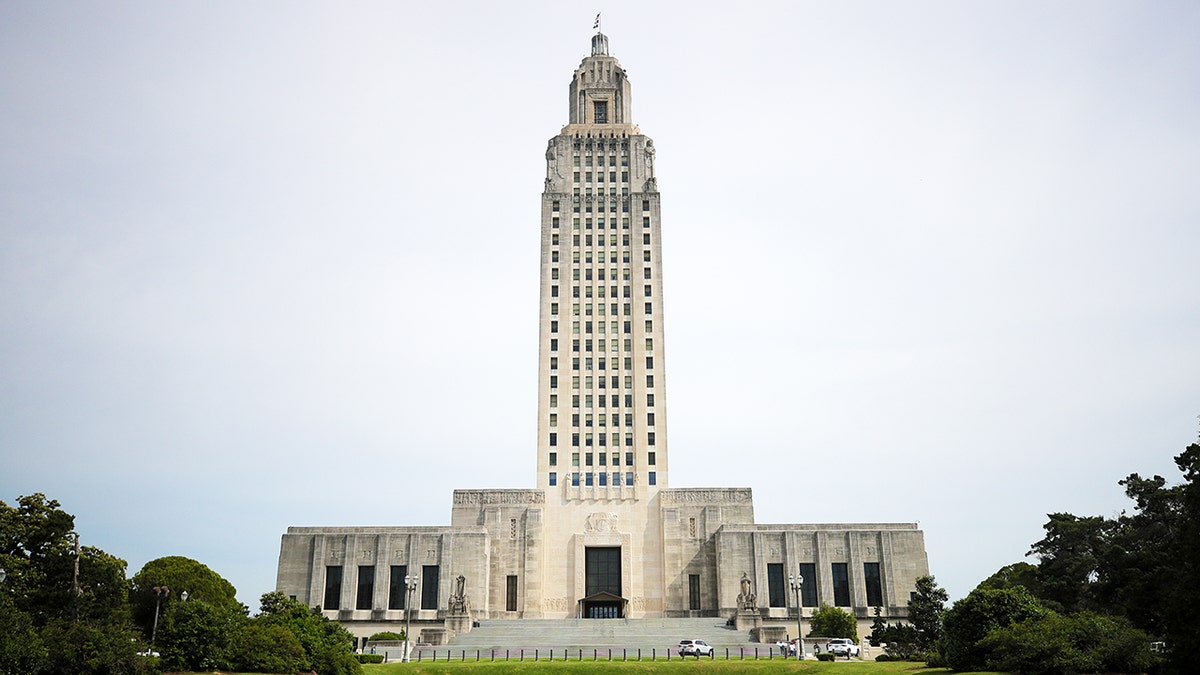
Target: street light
[[183, 596], [797, 582], [160, 592], [410, 585]]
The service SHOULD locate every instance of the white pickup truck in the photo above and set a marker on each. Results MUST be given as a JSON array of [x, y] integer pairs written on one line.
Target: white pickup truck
[[841, 647]]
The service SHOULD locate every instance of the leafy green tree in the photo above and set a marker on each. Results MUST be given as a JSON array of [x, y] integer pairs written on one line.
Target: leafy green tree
[[179, 574], [79, 648], [901, 640], [328, 647], [21, 648], [36, 551], [1064, 645], [195, 635], [259, 647], [970, 620], [925, 610], [1181, 629], [1016, 574], [833, 622], [1069, 560], [878, 627]]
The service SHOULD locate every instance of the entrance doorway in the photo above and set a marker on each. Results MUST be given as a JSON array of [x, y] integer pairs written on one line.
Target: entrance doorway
[[602, 579]]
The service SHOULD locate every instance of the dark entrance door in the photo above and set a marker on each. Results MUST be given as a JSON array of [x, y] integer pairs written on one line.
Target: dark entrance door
[[602, 579]]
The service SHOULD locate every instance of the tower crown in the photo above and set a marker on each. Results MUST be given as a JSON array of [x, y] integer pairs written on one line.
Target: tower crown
[[600, 92]]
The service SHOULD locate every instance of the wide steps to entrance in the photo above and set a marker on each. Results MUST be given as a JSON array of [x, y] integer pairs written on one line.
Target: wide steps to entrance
[[645, 634]]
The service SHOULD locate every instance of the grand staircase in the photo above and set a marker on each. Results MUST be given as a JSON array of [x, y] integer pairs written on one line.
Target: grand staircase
[[592, 638]]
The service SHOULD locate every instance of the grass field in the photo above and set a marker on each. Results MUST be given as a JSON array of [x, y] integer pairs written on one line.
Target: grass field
[[634, 667]]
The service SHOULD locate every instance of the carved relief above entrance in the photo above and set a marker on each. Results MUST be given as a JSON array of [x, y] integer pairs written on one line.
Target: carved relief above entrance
[[601, 522]]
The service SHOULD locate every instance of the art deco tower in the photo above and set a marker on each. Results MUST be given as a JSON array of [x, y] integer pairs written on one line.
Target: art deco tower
[[601, 393]]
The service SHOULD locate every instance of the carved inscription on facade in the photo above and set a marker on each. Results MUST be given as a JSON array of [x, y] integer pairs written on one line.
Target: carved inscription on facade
[[482, 497], [706, 496]]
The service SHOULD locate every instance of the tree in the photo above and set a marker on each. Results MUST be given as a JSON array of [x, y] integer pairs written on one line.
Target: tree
[[328, 647], [1069, 559], [970, 620], [179, 574], [195, 635], [260, 647], [1064, 645], [925, 610], [1016, 574], [833, 622], [21, 648]]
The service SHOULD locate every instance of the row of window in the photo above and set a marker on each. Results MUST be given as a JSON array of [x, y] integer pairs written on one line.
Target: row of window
[[557, 205], [600, 439], [612, 225], [590, 363], [599, 309], [600, 382], [590, 457], [600, 327], [598, 345], [602, 420], [365, 591], [778, 585], [602, 400], [601, 479], [589, 258], [599, 177], [599, 240]]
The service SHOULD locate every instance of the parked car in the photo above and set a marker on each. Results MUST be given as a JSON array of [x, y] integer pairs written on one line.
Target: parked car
[[696, 648], [841, 647]]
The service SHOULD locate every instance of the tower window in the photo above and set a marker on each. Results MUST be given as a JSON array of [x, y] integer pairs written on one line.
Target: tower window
[[600, 112]]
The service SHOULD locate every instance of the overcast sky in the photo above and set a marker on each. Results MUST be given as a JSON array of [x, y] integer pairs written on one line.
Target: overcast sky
[[267, 264]]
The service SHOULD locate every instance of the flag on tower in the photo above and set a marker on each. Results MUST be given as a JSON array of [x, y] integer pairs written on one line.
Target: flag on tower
[[596, 23]]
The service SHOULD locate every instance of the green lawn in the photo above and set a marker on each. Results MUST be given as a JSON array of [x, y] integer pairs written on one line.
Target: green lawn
[[633, 667]]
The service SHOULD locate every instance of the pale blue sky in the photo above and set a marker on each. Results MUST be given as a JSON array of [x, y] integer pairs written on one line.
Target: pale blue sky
[[267, 264]]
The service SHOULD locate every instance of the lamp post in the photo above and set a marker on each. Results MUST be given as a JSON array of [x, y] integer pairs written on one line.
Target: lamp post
[[183, 596], [797, 582], [160, 592], [410, 585]]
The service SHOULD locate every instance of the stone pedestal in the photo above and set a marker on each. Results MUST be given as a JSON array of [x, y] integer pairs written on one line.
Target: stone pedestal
[[436, 636], [459, 622], [747, 620], [771, 634]]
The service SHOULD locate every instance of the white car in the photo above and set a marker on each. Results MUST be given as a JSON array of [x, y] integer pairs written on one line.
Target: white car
[[841, 647], [696, 648]]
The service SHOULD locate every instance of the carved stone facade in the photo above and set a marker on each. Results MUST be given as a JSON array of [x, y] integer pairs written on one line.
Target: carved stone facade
[[603, 534]]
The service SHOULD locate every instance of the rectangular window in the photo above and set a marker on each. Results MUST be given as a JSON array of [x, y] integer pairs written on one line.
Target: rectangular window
[[366, 586], [554, 459], [603, 479], [694, 592], [776, 590], [333, 587], [553, 439], [575, 479], [587, 479], [397, 593], [650, 457], [649, 438], [629, 478], [600, 112], [841, 585], [629, 459], [553, 479], [429, 587], [651, 478], [510, 593], [808, 592], [874, 584]]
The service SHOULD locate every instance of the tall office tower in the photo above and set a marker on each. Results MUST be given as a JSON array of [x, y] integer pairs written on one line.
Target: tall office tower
[[601, 395]]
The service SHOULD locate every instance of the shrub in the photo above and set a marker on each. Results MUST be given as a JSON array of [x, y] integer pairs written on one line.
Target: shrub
[[825, 656], [883, 657], [1079, 643], [970, 620], [833, 622], [370, 658], [387, 635]]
